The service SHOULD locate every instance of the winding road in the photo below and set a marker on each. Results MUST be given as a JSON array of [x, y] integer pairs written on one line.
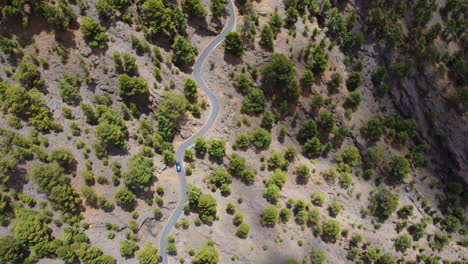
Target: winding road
[[230, 26]]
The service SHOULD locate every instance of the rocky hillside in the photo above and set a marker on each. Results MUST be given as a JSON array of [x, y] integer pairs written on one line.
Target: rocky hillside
[[341, 136]]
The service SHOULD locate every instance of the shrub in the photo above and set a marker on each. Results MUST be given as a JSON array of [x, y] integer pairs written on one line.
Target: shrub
[[383, 203], [219, 176], [318, 198], [326, 121], [243, 82], [89, 194], [217, 148], [346, 180], [335, 81], [278, 178], [405, 211], [275, 161], [200, 145], [269, 216], [217, 8], [266, 37], [374, 157], [331, 230], [272, 193], [303, 171], [173, 105], [93, 32], [268, 119], [243, 230], [284, 215], [278, 73], [386, 258], [47, 176], [354, 99], [194, 8], [28, 75], [439, 241]]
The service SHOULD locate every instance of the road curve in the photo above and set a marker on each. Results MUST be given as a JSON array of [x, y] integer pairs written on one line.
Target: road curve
[[197, 68]]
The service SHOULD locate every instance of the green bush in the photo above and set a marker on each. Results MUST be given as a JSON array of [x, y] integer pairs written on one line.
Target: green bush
[[284, 215], [243, 82], [266, 37], [200, 145], [89, 194], [217, 8], [28, 75], [47, 176], [272, 193], [278, 178], [326, 121], [334, 208], [354, 99], [64, 198], [190, 88], [354, 81], [173, 105], [278, 75], [303, 171], [261, 138], [219, 176], [402, 243], [194, 8], [350, 156], [318, 198], [335, 81], [93, 32]]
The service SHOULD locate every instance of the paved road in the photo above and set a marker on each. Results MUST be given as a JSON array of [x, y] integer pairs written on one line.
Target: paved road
[[230, 26]]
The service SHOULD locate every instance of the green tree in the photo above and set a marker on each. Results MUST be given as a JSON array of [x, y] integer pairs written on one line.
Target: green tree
[[47, 176], [272, 193], [383, 203], [254, 102], [173, 105], [275, 22], [132, 86], [317, 256], [354, 81], [312, 147], [260, 138], [62, 156], [148, 254], [373, 129], [89, 113], [307, 78], [89, 194], [330, 230], [193, 195], [165, 128], [65, 198], [279, 73], [28, 75], [217, 148], [184, 53], [93, 32], [268, 119], [398, 168], [291, 16], [374, 157], [243, 230], [207, 207], [128, 248], [266, 37], [278, 178], [139, 173], [11, 250], [402, 243], [303, 171], [200, 145], [319, 62], [110, 135], [307, 131], [351, 156], [386, 258], [243, 82], [236, 164], [439, 241], [69, 89], [217, 8], [190, 88], [334, 208], [233, 44], [354, 99], [158, 17], [124, 196], [206, 255], [194, 8], [219, 176], [326, 121], [30, 228], [269, 216]]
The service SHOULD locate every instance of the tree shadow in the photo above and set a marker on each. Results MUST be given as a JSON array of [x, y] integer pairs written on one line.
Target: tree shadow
[[232, 60]]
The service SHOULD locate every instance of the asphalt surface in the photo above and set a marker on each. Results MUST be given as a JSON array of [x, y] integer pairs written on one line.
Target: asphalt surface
[[197, 76]]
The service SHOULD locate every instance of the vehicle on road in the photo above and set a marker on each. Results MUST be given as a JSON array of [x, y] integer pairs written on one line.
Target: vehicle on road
[[178, 166]]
